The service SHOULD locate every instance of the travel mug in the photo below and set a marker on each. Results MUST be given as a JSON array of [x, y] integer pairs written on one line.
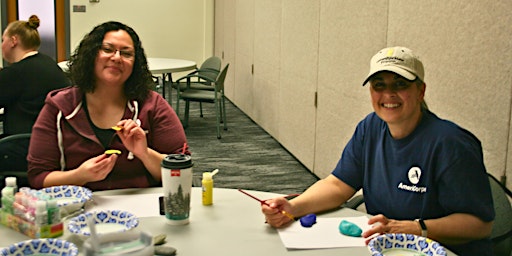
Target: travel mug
[[177, 186]]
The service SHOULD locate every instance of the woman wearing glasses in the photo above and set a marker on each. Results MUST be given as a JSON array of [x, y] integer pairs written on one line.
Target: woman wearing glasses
[[111, 108]]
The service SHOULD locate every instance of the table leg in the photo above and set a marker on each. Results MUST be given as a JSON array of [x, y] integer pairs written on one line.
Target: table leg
[[169, 75], [164, 76], [163, 85]]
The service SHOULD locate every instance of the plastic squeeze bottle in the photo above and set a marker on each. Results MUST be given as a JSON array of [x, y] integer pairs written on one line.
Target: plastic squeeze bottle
[[207, 187]]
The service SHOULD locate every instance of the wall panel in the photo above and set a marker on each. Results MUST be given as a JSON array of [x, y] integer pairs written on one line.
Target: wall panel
[[325, 48], [244, 55], [267, 55], [228, 49], [466, 48], [350, 33], [299, 67]]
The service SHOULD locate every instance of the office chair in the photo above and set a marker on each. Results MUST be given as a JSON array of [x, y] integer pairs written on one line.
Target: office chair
[[199, 95], [21, 174], [501, 234], [210, 69]]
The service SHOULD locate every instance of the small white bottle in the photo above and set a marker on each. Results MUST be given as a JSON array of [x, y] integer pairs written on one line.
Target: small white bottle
[[207, 187], [11, 182], [41, 214]]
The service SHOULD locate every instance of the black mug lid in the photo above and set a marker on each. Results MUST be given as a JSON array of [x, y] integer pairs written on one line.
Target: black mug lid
[[177, 161]]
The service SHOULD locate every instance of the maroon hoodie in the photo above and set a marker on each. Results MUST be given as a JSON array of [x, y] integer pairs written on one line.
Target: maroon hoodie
[[62, 139]]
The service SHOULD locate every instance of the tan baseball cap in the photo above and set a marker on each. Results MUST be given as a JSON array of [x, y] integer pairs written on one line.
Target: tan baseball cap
[[399, 60]]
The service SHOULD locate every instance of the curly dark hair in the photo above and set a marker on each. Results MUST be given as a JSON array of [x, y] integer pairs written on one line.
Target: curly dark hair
[[82, 61]]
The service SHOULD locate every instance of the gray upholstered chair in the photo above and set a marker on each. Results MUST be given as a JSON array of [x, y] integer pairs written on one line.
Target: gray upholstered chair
[[20, 142], [197, 79], [501, 235], [215, 96]]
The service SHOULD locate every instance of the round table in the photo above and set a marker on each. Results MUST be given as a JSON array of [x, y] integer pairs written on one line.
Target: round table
[[233, 225]]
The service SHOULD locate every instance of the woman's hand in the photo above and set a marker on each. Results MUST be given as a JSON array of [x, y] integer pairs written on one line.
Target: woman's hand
[[96, 168], [133, 138], [381, 224], [273, 211]]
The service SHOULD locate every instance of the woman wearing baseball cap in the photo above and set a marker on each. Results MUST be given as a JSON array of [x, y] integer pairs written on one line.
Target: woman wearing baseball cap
[[419, 174]]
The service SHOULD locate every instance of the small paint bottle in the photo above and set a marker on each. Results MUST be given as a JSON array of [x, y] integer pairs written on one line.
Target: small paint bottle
[[41, 214], [207, 187]]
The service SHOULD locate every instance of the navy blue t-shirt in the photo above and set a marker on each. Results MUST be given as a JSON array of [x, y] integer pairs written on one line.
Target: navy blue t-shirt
[[435, 171]]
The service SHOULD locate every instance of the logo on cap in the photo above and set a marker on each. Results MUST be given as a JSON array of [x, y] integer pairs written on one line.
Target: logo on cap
[[390, 59]]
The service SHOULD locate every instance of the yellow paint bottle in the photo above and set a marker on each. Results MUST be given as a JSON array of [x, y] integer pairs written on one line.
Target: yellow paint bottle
[[207, 187]]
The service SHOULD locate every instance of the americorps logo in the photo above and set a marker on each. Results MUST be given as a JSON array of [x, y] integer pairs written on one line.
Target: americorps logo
[[414, 176]]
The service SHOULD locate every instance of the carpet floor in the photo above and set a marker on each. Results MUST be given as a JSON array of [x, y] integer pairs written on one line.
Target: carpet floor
[[247, 157]]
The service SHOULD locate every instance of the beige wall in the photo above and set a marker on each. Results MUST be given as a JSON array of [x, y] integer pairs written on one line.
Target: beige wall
[[180, 29], [302, 47]]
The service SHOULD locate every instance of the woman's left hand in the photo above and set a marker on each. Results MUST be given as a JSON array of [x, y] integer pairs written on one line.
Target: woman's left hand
[[381, 224], [133, 137]]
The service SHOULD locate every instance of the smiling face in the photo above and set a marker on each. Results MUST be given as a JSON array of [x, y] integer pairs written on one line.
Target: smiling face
[[113, 64], [397, 100]]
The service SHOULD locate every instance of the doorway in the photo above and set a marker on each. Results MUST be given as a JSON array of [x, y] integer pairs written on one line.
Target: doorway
[[54, 27]]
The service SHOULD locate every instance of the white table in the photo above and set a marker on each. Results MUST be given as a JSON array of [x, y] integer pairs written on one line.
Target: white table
[[159, 66], [233, 225], [166, 67]]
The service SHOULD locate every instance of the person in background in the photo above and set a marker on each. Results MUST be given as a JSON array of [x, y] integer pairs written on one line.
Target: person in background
[[419, 174], [24, 85], [110, 107]]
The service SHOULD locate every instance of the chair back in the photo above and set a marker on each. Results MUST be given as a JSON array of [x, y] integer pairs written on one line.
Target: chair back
[[210, 68], [219, 85], [18, 144], [501, 234]]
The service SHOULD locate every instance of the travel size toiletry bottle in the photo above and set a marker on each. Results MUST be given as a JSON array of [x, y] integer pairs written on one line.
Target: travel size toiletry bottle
[[12, 182], [41, 214], [7, 199], [53, 211]]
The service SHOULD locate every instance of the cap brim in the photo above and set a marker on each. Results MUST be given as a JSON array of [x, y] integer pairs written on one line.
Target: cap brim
[[397, 70]]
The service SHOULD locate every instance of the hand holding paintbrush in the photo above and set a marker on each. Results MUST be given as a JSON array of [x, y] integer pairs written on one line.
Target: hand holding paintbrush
[[285, 213]]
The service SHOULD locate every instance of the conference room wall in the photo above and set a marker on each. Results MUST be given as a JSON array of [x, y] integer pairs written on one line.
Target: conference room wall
[[283, 52], [181, 29]]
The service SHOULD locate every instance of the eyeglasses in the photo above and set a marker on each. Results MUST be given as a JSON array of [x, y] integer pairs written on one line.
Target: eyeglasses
[[110, 50]]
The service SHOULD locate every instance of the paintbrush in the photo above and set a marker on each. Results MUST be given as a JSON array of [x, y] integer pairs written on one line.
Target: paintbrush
[[285, 213]]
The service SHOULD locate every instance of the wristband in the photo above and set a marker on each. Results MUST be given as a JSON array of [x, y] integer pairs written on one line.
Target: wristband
[[423, 227]]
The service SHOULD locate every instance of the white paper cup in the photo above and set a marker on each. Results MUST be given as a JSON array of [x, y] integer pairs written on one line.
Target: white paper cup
[[177, 186]]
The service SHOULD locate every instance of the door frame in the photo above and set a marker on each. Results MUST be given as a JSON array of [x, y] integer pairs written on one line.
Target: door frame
[[61, 24]]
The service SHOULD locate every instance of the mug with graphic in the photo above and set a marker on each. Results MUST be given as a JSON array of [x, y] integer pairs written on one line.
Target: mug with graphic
[[177, 186]]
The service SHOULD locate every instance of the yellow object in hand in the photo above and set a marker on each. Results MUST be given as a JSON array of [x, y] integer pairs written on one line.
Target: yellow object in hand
[[117, 128], [113, 151]]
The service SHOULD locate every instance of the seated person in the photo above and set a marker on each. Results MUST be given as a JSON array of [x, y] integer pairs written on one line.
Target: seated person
[[419, 174], [112, 89], [23, 87]]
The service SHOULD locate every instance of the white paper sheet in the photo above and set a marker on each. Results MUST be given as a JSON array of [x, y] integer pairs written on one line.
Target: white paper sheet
[[323, 234], [142, 205]]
